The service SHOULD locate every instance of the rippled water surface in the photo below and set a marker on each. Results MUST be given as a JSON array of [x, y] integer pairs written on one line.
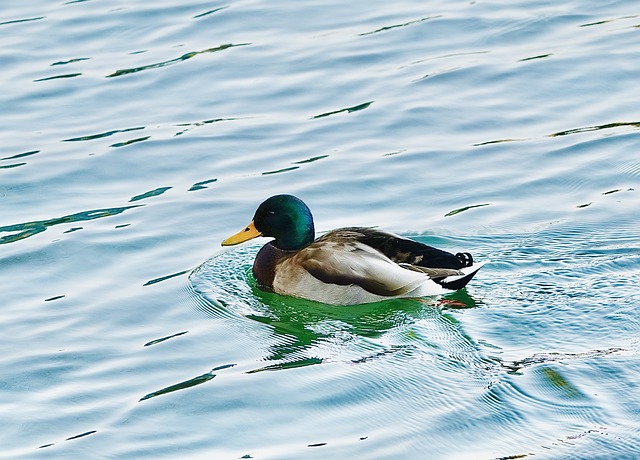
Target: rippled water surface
[[137, 135]]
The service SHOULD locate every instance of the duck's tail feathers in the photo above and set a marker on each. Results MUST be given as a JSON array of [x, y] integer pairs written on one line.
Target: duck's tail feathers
[[455, 282]]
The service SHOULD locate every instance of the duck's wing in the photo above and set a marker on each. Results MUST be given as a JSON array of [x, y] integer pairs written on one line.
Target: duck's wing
[[404, 250], [432, 273], [351, 262]]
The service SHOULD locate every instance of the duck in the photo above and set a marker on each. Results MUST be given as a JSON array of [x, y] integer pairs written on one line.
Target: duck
[[346, 266]]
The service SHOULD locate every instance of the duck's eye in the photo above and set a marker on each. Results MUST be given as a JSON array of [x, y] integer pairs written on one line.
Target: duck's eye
[[271, 213]]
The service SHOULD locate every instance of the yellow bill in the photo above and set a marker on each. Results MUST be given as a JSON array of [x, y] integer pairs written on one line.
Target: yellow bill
[[249, 233]]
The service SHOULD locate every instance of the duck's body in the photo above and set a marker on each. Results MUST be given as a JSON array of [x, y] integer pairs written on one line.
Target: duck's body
[[346, 266]]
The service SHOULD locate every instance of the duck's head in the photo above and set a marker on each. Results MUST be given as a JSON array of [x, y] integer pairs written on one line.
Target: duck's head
[[283, 217]]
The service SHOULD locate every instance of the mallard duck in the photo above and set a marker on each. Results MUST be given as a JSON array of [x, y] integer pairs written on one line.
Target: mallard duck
[[347, 266]]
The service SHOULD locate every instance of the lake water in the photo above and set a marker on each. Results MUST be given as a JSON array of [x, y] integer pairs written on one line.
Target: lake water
[[137, 135]]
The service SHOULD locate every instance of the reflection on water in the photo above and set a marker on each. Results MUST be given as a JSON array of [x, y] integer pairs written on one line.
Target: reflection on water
[[101, 135], [586, 129], [57, 77], [307, 332], [182, 385], [150, 193], [19, 232], [428, 334], [17, 21], [168, 62], [385, 28], [355, 108], [540, 358]]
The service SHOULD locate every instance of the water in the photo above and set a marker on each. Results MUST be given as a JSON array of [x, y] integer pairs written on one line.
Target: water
[[136, 137]]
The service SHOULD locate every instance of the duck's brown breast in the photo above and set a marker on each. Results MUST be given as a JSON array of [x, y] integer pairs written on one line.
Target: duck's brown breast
[[264, 266]]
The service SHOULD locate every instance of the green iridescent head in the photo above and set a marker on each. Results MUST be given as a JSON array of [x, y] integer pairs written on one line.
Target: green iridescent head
[[283, 217]]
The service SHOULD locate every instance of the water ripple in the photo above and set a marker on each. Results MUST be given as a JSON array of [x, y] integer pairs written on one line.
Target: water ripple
[[70, 61], [207, 13], [395, 26], [162, 339], [278, 171], [465, 208], [21, 155], [567, 132], [308, 333], [199, 380], [166, 277], [202, 185], [182, 58], [607, 21], [150, 193], [91, 137], [539, 56], [58, 77], [17, 21], [632, 124], [12, 165], [355, 108], [130, 141], [21, 231]]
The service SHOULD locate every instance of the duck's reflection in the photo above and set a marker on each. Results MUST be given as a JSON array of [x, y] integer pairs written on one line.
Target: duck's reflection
[[308, 333]]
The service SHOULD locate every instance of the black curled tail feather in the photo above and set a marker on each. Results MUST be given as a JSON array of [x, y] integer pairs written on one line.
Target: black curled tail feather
[[454, 283], [404, 250], [465, 258]]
